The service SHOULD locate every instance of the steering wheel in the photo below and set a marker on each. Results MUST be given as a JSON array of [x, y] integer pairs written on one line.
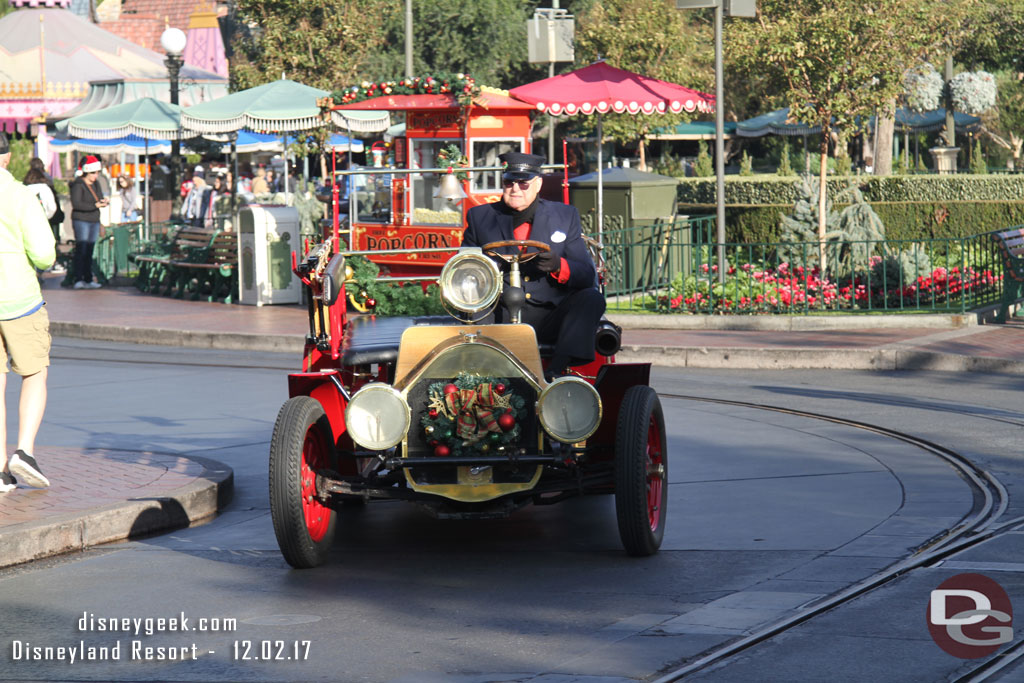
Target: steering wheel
[[520, 257]]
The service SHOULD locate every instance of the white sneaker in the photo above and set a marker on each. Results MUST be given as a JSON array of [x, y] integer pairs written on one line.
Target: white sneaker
[[93, 285], [81, 284], [26, 467], [58, 268], [7, 482]]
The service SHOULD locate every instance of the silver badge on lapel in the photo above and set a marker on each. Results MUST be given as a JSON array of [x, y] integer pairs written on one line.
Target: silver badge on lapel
[[557, 236]]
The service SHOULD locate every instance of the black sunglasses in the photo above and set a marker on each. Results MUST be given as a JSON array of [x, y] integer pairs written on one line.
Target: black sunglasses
[[523, 184]]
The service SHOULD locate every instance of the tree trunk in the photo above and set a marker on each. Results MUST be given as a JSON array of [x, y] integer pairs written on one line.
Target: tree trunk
[[884, 127], [642, 165], [867, 150], [822, 194]]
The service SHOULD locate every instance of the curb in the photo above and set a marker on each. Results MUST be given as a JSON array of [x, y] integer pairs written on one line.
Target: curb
[[76, 531], [225, 341], [740, 358], [815, 359], [797, 323]]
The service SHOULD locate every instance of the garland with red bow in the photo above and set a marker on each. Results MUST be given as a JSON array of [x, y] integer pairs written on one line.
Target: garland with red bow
[[472, 415]]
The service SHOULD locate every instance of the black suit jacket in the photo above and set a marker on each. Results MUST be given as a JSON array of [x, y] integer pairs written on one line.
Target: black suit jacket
[[557, 225]]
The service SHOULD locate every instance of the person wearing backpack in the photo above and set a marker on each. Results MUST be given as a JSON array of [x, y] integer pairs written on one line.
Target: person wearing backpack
[[37, 170]]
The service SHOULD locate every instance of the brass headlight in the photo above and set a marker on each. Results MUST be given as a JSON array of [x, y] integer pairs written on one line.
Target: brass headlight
[[377, 417], [569, 409], [470, 281]]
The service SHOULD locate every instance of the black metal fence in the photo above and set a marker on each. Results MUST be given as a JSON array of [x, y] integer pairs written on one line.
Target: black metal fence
[[672, 267]]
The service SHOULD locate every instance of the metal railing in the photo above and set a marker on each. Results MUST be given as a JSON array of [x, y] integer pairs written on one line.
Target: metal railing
[[670, 267]]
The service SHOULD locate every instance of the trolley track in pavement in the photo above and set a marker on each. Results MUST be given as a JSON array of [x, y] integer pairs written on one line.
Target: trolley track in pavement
[[978, 527]]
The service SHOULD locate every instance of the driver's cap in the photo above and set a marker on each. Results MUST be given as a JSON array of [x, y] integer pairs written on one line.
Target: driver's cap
[[520, 166]]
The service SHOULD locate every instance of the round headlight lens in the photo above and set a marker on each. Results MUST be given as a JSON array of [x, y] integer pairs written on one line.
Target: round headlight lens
[[377, 417], [569, 409], [470, 282]]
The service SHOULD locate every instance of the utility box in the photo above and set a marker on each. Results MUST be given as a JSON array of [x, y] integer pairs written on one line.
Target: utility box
[[267, 235], [631, 197], [639, 213]]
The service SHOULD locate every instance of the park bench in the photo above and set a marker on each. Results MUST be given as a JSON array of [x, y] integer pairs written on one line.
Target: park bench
[[1011, 244], [156, 264], [110, 254], [211, 272]]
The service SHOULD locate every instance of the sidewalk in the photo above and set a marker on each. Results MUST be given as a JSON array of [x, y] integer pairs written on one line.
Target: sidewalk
[[143, 492]]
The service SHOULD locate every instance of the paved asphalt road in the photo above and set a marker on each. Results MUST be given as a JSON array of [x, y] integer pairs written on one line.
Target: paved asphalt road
[[767, 511]]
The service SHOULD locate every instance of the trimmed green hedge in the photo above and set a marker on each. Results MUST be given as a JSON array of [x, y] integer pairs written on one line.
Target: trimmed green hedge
[[903, 220], [956, 205], [896, 188]]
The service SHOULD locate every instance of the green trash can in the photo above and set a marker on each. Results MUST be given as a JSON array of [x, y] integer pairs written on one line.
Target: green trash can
[[639, 208]]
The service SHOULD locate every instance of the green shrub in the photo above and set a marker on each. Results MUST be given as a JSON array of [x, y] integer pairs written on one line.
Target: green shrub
[[669, 165], [904, 267], [785, 168], [21, 155], [978, 164], [844, 166], [746, 165], [703, 168]]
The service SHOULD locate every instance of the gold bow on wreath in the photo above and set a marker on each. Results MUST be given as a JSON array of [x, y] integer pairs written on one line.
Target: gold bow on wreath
[[475, 411]]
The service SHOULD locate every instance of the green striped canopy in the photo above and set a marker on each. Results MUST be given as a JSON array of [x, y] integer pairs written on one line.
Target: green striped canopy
[[278, 107], [146, 118]]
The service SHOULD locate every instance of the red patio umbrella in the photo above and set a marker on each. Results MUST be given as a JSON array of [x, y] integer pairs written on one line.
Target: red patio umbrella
[[601, 88]]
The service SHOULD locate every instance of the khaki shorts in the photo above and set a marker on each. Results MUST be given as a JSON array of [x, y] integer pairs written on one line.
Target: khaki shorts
[[27, 341]]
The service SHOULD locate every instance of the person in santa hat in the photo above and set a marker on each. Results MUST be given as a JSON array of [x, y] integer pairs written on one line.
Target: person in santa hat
[[87, 199]]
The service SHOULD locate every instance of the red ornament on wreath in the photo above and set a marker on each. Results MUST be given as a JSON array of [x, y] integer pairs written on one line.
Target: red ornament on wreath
[[442, 451], [433, 413], [500, 388], [450, 389], [507, 422]]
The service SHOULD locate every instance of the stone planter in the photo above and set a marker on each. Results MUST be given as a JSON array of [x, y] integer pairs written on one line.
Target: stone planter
[[945, 159]]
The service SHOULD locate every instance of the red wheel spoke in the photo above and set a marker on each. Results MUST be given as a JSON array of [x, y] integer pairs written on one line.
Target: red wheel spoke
[[655, 475], [314, 455]]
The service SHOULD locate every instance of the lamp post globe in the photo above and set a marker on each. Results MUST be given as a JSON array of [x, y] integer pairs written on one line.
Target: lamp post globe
[[173, 40]]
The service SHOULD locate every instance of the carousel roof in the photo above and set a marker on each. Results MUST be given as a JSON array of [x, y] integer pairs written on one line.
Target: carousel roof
[[75, 51], [49, 57]]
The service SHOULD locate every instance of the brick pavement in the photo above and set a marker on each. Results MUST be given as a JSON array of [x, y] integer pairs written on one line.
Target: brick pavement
[[83, 479]]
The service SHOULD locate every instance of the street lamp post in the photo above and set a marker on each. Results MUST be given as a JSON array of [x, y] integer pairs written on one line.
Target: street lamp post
[[173, 42], [734, 8]]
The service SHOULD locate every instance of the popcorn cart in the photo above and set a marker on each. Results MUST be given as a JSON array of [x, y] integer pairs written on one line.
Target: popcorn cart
[[405, 211]]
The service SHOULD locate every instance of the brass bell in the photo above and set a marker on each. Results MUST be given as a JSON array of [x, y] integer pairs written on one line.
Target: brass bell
[[450, 188]]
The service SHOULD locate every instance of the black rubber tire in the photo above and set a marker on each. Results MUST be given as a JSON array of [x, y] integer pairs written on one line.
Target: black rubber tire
[[640, 422], [298, 416]]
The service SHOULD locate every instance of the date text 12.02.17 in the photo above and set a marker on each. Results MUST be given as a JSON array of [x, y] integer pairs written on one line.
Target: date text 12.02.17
[[271, 650]]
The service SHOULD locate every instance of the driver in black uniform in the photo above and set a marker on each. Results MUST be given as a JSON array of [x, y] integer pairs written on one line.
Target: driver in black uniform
[[563, 303]]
